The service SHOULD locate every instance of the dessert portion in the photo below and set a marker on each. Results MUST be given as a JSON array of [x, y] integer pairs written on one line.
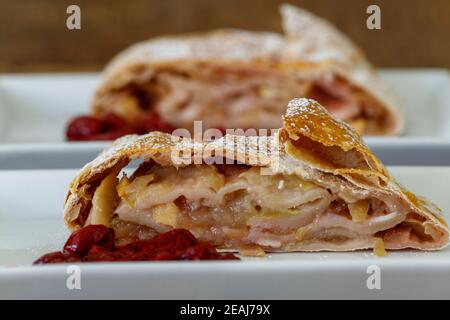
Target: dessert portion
[[239, 79], [316, 188]]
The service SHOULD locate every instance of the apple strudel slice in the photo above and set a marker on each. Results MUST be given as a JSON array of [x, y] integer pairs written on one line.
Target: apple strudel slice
[[239, 79], [311, 186]]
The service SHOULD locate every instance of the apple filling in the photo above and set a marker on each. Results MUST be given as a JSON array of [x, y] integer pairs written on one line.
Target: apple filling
[[237, 97], [235, 206]]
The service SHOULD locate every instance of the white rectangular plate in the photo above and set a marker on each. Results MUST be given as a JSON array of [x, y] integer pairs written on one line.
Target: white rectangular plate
[[31, 224], [36, 108], [404, 152]]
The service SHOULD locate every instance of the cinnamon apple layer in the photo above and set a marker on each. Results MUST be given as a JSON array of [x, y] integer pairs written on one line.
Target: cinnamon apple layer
[[238, 96], [233, 206], [317, 188]]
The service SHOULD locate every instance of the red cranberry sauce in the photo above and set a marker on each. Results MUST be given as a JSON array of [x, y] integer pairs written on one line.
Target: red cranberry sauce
[[96, 243], [111, 127]]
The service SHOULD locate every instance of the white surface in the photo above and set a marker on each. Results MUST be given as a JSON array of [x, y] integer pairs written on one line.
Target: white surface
[[426, 98], [36, 108], [30, 225]]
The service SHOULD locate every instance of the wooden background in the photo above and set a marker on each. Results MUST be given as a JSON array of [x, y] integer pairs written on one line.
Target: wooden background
[[34, 37]]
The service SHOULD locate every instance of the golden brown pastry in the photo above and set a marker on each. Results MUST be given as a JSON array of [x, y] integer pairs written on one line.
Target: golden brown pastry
[[311, 186]]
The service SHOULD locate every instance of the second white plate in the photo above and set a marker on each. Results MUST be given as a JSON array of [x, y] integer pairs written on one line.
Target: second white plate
[[36, 107]]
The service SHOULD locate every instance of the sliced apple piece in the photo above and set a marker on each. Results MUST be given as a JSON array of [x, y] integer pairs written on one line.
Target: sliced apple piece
[[105, 201]]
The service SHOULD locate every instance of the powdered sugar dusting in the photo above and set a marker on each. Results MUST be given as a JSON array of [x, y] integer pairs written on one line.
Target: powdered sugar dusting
[[227, 44]]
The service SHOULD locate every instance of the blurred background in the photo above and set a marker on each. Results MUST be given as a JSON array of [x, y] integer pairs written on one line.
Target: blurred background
[[34, 37]]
